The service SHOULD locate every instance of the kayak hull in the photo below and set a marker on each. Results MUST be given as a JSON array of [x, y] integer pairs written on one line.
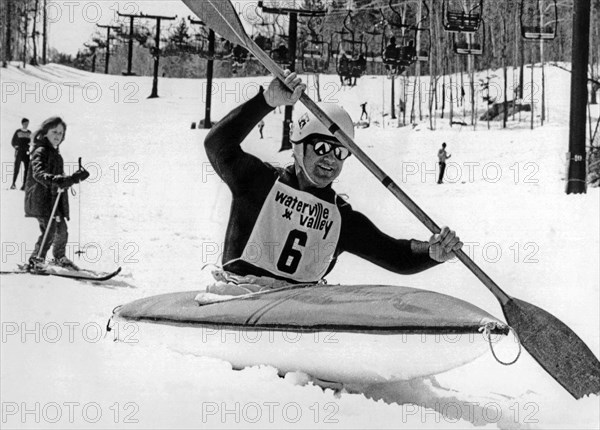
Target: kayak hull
[[351, 334]]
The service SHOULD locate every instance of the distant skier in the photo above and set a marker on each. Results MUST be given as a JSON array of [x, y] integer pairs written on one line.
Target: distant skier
[[20, 141], [401, 106], [287, 225], [442, 157], [44, 179], [364, 111], [261, 125]]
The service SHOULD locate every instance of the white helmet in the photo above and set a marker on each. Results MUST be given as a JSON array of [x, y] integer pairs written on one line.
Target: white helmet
[[307, 124]]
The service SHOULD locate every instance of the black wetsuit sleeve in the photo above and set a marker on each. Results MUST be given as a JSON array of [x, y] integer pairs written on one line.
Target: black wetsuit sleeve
[[237, 168], [361, 237]]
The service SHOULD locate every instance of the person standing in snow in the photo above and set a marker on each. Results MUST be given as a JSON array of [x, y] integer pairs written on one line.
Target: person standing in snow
[[44, 180], [20, 141], [288, 225], [442, 157], [364, 113]]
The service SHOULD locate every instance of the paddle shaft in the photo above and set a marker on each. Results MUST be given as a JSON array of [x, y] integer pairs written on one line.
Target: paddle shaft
[[387, 182]]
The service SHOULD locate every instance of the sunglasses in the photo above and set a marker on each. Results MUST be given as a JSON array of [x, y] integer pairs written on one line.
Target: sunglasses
[[322, 147]]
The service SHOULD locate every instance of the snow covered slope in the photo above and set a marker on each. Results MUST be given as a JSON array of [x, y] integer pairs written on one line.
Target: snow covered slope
[[154, 205]]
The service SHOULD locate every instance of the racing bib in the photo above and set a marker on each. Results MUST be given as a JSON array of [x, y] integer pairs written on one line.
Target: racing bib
[[295, 235]]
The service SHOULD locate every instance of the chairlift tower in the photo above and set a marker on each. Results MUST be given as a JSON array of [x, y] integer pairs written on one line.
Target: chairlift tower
[[107, 57], [156, 49], [130, 41]]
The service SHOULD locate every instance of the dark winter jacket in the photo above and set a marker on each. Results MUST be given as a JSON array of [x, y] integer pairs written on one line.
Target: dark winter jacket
[[20, 140], [46, 171], [250, 180]]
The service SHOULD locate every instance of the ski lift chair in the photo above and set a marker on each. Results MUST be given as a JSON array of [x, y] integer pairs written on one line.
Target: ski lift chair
[[399, 57], [239, 55], [538, 33], [407, 54], [424, 46], [315, 56], [355, 48], [472, 43], [466, 48], [535, 28], [461, 21], [358, 66], [263, 42], [280, 55]]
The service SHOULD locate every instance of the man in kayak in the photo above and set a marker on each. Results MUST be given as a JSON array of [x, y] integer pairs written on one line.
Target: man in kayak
[[288, 225]]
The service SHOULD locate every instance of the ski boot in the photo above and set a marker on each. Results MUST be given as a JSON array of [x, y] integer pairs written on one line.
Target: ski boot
[[37, 265], [65, 263]]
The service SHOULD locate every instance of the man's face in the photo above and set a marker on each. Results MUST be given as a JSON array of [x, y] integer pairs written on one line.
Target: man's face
[[25, 124], [323, 169]]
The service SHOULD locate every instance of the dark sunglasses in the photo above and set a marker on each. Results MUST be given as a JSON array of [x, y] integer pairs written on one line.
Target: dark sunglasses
[[322, 147]]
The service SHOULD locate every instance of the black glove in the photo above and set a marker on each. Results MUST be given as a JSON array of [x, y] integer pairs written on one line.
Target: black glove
[[64, 181], [75, 178], [80, 175]]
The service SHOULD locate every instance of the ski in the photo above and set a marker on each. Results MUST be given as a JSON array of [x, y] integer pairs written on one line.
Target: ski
[[81, 275]]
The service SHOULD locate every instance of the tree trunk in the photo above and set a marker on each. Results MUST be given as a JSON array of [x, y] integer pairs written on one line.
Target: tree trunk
[[522, 69], [45, 35], [451, 102], [24, 53], [505, 73], [8, 45], [444, 71], [33, 60]]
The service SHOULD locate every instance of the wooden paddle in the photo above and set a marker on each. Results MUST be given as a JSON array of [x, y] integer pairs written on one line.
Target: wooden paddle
[[549, 341]]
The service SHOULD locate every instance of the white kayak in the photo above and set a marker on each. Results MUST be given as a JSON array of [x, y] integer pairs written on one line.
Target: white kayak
[[342, 333]]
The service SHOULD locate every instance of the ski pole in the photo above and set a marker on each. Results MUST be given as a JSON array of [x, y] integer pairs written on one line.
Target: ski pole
[[79, 251], [39, 255]]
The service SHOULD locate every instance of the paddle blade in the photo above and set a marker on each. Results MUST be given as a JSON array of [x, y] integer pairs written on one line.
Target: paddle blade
[[555, 347], [221, 17]]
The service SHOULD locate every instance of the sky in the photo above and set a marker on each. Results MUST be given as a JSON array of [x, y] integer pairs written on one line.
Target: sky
[[71, 22]]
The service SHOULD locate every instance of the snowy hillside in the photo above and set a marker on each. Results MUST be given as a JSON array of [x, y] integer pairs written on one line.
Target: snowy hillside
[[154, 206]]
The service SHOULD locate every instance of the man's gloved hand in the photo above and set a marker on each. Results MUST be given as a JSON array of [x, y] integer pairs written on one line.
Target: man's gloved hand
[[278, 93], [443, 245]]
